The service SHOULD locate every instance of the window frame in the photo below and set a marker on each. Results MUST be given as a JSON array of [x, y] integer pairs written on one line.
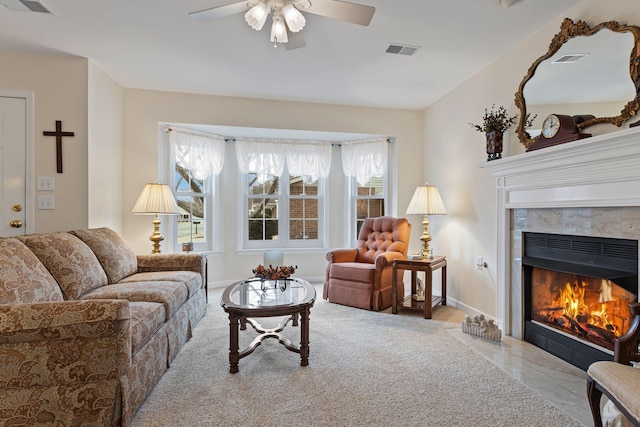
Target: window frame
[[211, 192], [352, 203], [284, 217]]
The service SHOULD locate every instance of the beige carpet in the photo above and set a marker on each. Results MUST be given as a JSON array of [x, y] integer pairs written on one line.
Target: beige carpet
[[365, 369]]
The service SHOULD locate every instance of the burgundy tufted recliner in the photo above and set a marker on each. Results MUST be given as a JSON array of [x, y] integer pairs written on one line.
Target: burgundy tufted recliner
[[362, 277]]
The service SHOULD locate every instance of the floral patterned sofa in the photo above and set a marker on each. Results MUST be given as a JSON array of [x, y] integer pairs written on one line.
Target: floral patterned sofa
[[87, 328]]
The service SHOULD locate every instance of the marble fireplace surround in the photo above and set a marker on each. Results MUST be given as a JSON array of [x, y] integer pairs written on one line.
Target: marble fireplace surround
[[589, 187]]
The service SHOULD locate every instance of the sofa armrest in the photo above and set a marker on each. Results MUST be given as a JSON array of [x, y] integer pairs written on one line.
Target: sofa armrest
[[342, 255], [173, 262], [65, 342]]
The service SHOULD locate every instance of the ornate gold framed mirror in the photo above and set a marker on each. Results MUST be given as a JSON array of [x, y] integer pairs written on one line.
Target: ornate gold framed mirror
[[622, 83]]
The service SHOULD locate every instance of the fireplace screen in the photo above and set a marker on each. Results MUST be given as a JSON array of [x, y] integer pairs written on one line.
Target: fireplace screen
[[592, 309]]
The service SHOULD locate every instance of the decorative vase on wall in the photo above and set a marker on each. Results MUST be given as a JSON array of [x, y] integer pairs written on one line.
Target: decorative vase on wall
[[494, 145]]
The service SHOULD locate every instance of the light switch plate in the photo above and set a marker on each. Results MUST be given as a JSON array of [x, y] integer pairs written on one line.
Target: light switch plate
[[45, 183], [45, 202]]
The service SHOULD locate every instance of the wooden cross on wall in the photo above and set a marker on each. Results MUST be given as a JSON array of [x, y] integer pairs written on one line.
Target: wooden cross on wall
[[58, 134]]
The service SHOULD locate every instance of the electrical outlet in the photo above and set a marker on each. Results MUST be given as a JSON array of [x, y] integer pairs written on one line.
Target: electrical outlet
[[45, 183], [45, 203]]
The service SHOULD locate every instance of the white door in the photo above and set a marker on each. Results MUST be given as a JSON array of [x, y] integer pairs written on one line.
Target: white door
[[13, 136]]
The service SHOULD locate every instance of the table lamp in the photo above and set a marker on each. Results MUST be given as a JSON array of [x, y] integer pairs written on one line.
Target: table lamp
[[426, 201], [156, 199]]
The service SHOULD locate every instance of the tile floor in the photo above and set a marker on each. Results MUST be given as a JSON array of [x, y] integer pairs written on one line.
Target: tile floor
[[555, 380]]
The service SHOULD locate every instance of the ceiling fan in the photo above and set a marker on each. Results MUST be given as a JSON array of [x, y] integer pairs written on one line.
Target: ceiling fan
[[287, 19]]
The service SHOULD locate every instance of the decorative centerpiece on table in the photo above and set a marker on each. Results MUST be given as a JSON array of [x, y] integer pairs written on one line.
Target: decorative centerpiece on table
[[494, 123], [278, 275]]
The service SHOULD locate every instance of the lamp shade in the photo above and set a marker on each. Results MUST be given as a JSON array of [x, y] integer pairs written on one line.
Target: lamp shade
[[257, 15], [156, 199], [295, 20], [278, 28], [426, 201]]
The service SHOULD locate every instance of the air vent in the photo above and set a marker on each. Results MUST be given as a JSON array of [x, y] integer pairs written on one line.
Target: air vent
[[570, 59], [26, 6], [402, 49]]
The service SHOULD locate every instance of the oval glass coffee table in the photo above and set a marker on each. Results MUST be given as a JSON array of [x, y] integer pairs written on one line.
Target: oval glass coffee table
[[252, 298]]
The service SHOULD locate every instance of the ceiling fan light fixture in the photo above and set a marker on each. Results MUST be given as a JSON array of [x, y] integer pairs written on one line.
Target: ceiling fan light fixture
[[278, 28], [257, 15], [294, 19]]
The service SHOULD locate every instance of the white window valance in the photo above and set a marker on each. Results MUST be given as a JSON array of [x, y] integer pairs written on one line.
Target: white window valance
[[267, 157], [201, 153], [365, 159], [310, 160]]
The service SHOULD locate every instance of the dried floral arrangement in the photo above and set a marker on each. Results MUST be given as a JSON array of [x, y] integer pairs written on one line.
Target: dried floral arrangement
[[274, 273], [495, 120]]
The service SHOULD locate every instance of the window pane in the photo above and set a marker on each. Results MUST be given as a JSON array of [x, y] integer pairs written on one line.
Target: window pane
[[311, 229], [311, 189], [256, 230], [311, 208], [376, 207], [271, 208], [296, 186], [182, 184], [186, 183], [271, 229], [296, 208], [303, 229], [296, 229], [372, 188], [191, 221], [375, 186], [362, 209], [256, 208]]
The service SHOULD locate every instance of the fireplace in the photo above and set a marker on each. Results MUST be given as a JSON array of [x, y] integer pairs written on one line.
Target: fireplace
[[577, 291], [586, 188]]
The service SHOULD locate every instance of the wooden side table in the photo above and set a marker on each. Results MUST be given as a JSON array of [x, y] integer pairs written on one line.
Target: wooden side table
[[428, 266]]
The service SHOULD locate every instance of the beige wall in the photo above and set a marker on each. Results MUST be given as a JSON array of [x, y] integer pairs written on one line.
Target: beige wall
[[454, 150], [143, 110], [105, 150], [59, 84]]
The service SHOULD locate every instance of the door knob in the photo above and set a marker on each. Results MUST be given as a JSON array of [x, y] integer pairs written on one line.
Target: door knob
[[16, 223], [17, 208]]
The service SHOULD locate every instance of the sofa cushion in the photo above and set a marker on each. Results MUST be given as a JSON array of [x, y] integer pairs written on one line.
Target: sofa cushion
[[171, 294], [23, 278], [146, 319], [191, 279], [70, 261], [116, 257]]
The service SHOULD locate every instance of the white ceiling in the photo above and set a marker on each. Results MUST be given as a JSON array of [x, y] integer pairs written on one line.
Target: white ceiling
[[154, 44]]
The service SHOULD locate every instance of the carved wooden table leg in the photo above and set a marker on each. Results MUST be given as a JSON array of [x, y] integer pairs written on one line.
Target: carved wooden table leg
[[304, 337], [234, 345]]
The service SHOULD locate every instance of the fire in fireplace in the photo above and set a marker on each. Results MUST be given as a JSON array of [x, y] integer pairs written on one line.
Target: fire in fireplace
[[577, 293], [592, 309]]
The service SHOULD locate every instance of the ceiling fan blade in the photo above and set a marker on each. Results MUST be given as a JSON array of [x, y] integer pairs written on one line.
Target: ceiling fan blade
[[220, 11], [343, 11], [296, 40]]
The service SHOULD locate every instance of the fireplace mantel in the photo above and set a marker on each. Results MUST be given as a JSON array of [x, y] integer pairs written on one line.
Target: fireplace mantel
[[601, 171]]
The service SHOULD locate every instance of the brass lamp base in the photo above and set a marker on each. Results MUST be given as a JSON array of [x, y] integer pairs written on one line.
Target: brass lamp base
[[426, 237], [156, 237]]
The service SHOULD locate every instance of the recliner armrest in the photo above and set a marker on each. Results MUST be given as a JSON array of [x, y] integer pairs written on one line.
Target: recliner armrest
[[342, 255], [386, 258]]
